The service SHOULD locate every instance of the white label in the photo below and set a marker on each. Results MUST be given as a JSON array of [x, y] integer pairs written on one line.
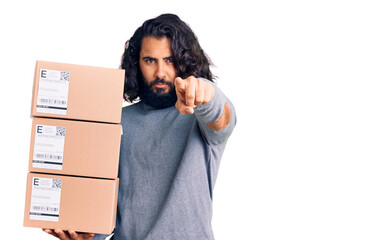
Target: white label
[[53, 91], [48, 147], [45, 199]]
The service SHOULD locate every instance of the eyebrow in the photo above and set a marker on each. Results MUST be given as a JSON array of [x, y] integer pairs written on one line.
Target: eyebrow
[[151, 58], [169, 58]]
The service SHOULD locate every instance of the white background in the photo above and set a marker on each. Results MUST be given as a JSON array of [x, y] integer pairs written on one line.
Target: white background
[[310, 80]]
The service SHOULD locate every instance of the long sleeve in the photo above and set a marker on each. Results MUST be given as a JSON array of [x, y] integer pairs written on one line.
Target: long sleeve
[[217, 118], [168, 167], [100, 237]]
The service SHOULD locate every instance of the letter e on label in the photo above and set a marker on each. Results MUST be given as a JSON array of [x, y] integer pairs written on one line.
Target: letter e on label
[[36, 181], [43, 73], [39, 128]]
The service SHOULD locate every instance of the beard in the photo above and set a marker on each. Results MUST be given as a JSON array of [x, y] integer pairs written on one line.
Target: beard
[[158, 99]]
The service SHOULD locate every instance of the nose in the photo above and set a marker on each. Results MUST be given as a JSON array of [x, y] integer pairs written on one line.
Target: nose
[[160, 71]]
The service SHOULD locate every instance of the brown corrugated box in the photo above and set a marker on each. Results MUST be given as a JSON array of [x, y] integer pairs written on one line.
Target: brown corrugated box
[[75, 147], [77, 92], [71, 203]]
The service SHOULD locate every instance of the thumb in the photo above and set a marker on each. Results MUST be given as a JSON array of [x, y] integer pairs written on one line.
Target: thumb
[[180, 88]]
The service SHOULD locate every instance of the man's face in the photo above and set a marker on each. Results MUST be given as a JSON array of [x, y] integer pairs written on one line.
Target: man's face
[[157, 64]]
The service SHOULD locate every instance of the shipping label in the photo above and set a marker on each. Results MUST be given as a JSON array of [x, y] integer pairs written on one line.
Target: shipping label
[[45, 199], [48, 147], [53, 91]]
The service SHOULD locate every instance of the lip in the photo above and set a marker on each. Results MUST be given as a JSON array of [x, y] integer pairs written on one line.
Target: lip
[[160, 85]]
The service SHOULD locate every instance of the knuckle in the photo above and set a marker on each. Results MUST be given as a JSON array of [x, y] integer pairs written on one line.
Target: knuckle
[[198, 101], [73, 234], [190, 95], [192, 79]]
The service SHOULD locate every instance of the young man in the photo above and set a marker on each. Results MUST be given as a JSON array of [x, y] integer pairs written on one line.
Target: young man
[[173, 139]]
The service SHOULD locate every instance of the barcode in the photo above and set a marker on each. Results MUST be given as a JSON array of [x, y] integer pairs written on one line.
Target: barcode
[[56, 183], [60, 131], [45, 208], [53, 101], [64, 76], [48, 156]]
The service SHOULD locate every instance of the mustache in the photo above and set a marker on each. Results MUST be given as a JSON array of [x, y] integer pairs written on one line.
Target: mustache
[[160, 80]]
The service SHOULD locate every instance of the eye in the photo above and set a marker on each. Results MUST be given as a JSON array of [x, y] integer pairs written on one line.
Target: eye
[[148, 60], [170, 60]]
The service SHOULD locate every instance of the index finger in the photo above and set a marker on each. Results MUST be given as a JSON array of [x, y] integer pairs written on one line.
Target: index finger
[[49, 231], [179, 83], [73, 234], [61, 234]]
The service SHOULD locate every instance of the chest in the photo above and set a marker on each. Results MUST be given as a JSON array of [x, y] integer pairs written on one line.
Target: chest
[[157, 138]]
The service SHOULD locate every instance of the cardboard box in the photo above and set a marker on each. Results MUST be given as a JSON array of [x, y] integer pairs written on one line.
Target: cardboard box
[[77, 92], [71, 203], [75, 147]]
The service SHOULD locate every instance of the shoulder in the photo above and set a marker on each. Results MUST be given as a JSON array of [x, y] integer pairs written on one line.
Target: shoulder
[[130, 108], [129, 112]]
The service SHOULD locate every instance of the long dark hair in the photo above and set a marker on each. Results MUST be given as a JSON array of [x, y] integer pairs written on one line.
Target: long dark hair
[[189, 58]]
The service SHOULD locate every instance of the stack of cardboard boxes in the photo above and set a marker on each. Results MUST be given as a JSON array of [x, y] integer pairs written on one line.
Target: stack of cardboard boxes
[[74, 153]]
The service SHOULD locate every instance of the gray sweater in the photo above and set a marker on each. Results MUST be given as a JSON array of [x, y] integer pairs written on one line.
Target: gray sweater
[[168, 168]]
